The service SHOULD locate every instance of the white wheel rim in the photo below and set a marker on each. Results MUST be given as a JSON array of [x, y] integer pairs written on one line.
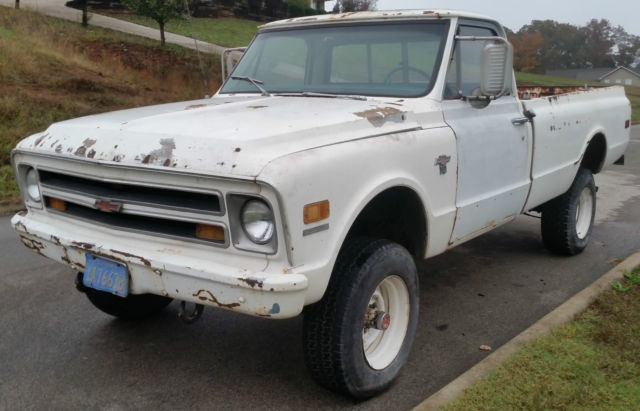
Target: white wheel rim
[[584, 212], [381, 347]]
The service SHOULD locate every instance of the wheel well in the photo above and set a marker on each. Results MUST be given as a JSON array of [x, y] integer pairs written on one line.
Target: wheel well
[[594, 156], [396, 214]]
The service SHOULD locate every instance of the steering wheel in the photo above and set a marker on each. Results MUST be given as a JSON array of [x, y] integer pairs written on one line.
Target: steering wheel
[[387, 78]]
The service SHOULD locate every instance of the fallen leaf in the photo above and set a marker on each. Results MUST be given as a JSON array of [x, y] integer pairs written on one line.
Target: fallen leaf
[[485, 348]]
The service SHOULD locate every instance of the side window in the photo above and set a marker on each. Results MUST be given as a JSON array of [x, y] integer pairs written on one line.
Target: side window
[[465, 68]]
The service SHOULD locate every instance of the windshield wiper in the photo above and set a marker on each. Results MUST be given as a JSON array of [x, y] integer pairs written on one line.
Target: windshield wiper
[[253, 81], [327, 95]]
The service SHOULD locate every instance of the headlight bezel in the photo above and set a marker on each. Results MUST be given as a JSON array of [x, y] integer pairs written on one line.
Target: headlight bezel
[[32, 185], [259, 208], [21, 171], [240, 238]]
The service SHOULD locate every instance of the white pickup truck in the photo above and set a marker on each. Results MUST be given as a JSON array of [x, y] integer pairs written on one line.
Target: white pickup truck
[[341, 148]]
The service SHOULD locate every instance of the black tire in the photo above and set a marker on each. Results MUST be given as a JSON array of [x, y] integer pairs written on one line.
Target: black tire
[[130, 308], [566, 226], [334, 328]]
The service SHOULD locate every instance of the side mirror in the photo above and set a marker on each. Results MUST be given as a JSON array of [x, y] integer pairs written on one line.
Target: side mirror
[[497, 69], [230, 58]]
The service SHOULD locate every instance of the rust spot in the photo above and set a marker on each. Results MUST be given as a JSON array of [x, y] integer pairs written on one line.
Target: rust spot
[[237, 150], [65, 259], [54, 143], [87, 143], [550, 92], [86, 246], [142, 259], [165, 152], [34, 245], [19, 226], [256, 107], [204, 295], [252, 282], [40, 140], [379, 115], [55, 240], [91, 153], [166, 163], [195, 106]]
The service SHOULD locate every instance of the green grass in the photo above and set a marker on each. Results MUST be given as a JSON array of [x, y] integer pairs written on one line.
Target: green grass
[[228, 31], [590, 363], [52, 70], [529, 79]]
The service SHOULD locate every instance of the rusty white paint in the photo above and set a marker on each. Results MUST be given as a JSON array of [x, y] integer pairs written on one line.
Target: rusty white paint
[[564, 125], [295, 151]]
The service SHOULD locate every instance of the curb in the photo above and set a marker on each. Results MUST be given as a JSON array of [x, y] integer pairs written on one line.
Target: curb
[[563, 314]]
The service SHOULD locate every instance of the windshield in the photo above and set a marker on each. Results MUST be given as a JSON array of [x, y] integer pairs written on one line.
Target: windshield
[[381, 59]]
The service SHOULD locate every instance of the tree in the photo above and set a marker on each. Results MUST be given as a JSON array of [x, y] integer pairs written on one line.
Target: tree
[[598, 41], [159, 10], [561, 44], [526, 48], [354, 5], [85, 14]]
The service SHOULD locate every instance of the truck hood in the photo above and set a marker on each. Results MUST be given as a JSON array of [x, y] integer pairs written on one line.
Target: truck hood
[[235, 137]]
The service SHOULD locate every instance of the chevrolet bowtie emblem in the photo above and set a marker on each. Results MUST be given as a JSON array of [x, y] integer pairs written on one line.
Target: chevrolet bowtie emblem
[[108, 206]]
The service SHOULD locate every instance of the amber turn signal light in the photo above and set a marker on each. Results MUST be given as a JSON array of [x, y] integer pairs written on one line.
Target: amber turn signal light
[[57, 204], [210, 232], [316, 212]]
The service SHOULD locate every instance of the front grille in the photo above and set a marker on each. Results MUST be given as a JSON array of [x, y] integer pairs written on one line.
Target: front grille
[[163, 211], [133, 194]]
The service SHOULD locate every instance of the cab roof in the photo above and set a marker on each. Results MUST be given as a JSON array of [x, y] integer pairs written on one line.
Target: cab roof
[[381, 15]]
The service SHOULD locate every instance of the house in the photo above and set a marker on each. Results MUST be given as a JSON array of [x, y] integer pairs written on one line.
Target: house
[[619, 75], [316, 4]]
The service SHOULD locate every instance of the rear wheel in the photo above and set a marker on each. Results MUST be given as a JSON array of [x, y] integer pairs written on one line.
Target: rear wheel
[[358, 337], [132, 307], [567, 220]]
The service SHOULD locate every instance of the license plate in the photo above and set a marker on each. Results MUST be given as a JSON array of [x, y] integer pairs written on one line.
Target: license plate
[[106, 275]]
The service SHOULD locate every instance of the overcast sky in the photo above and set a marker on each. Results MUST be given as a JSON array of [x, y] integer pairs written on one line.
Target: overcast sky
[[515, 14]]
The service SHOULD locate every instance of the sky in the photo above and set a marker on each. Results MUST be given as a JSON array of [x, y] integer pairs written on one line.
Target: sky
[[515, 14]]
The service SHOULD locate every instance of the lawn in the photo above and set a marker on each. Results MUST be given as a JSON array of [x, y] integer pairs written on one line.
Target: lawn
[[228, 31], [590, 363], [52, 70]]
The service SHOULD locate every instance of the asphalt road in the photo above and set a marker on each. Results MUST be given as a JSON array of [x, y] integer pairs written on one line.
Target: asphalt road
[[58, 352]]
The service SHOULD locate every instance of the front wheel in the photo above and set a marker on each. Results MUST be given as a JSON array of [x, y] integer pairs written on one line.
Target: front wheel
[[358, 337], [567, 220]]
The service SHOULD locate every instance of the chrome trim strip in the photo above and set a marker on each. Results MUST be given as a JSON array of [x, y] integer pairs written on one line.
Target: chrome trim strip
[[314, 230], [148, 233]]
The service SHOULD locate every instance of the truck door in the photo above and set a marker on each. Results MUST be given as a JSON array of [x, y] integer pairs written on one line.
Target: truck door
[[493, 142]]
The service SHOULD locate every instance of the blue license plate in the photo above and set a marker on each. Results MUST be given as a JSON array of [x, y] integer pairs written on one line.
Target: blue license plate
[[106, 275]]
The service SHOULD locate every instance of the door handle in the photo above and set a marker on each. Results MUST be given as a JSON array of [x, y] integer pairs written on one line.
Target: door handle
[[519, 121]]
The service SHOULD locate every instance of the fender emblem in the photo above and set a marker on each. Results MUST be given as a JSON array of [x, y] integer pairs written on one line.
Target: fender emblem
[[442, 161], [108, 206]]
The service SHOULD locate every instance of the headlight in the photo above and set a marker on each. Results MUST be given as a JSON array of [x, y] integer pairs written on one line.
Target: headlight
[[257, 221], [33, 189]]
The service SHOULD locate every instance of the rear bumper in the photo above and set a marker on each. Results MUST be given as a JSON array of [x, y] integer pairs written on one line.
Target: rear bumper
[[230, 282]]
